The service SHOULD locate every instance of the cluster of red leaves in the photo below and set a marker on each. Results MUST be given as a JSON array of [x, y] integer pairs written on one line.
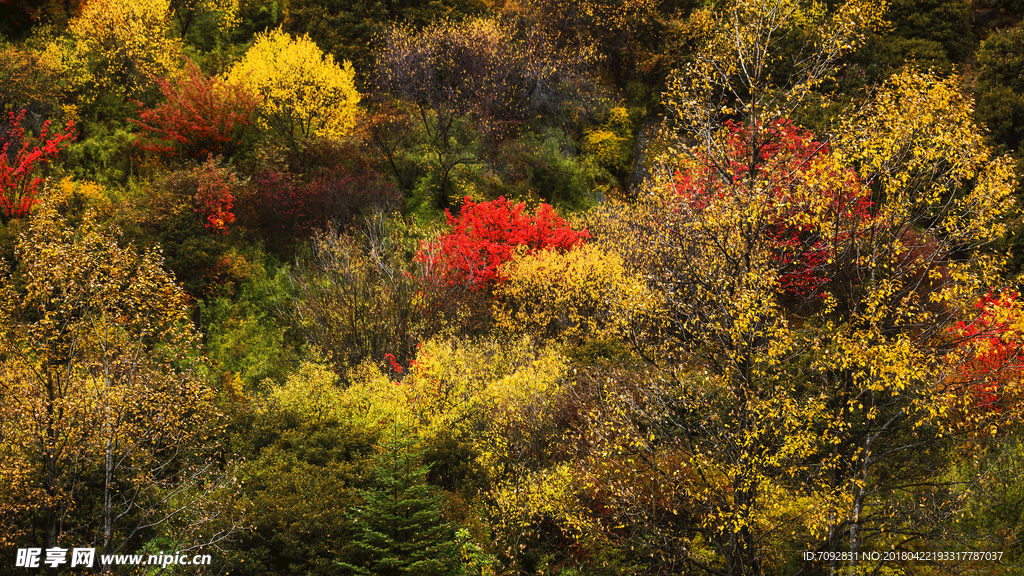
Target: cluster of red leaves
[[997, 355], [18, 183], [214, 199], [486, 235], [785, 155], [200, 116], [393, 363]]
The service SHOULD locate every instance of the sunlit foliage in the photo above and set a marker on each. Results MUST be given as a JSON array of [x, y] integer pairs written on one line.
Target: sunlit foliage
[[21, 164], [304, 92], [100, 383], [125, 42], [200, 116]]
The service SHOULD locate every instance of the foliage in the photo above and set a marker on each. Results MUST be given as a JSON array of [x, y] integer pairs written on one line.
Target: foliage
[[247, 339], [611, 144], [304, 93], [798, 189], [357, 300], [993, 373], [320, 184], [485, 235], [187, 12], [173, 212], [620, 31], [19, 183], [29, 79], [575, 295], [398, 527], [214, 198], [304, 465], [105, 411], [345, 29], [201, 116], [781, 397], [1000, 88], [484, 78], [125, 43]]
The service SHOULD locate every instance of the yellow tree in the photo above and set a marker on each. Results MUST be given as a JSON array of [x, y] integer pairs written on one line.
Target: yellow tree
[[809, 287], [125, 42], [305, 93], [105, 416]]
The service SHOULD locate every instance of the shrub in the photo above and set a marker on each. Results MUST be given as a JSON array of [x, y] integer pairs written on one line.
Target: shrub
[[19, 182], [200, 116], [486, 235]]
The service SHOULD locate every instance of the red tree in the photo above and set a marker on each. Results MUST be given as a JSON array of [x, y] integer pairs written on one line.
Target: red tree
[[200, 116], [784, 158], [486, 235], [19, 183], [215, 199]]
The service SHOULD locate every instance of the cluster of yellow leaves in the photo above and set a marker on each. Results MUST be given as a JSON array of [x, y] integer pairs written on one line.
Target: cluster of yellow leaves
[[127, 42], [571, 296], [500, 397], [611, 144], [305, 93]]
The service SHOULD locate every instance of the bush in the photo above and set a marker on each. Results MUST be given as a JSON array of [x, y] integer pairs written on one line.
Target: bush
[[486, 235], [200, 116]]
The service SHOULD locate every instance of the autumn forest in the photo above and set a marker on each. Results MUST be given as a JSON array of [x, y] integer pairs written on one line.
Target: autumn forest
[[512, 287]]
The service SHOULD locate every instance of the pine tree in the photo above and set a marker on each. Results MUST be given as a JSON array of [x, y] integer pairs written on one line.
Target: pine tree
[[398, 530]]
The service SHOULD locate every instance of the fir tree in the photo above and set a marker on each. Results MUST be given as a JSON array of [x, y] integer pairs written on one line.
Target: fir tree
[[398, 530]]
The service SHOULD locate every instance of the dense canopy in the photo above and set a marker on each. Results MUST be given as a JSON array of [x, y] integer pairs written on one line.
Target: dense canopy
[[488, 287]]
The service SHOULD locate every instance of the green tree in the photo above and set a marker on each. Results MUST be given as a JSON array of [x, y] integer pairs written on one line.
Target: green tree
[[304, 461], [398, 529]]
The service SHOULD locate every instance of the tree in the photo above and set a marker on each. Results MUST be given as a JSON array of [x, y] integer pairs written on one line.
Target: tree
[[808, 289], [125, 42], [345, 29], [304, 92], [304, 463], [398, 529], [201, 116], [479, 80], [104, 411], [186, 12], [358, 300]]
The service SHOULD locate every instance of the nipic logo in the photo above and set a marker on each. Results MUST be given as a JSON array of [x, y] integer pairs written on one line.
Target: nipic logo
[[30, 557], [86, 557]]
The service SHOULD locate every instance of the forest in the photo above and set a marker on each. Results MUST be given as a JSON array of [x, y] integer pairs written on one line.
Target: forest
[[512, 287]]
